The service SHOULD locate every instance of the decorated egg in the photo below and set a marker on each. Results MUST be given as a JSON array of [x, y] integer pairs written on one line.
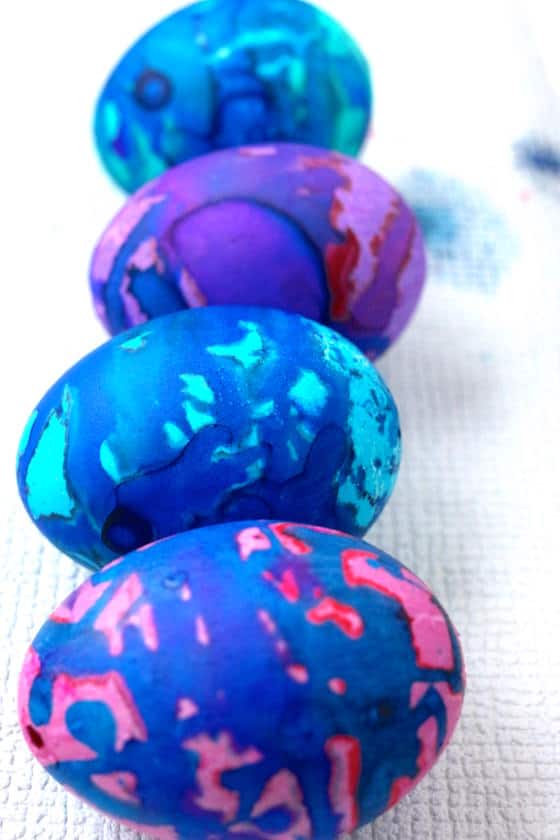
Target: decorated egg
[[224, 73], [254, 680], [205, 416], [293, 227]]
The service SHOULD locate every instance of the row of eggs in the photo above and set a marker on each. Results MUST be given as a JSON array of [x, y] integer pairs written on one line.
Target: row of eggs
[[252, 678], [236, 675], [223, 402]]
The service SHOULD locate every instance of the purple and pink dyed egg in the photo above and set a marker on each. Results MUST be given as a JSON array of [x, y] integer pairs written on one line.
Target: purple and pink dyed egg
[[285, 226], [248, 680]]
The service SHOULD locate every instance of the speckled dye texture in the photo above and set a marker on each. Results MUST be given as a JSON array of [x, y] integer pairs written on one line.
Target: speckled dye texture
[[310, 681], [206, 416], [288, 226], [228, 72]]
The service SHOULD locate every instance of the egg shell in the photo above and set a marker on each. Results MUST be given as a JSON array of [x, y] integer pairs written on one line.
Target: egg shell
[[229, 72], [289, 226], [205, 416], [255, 680]]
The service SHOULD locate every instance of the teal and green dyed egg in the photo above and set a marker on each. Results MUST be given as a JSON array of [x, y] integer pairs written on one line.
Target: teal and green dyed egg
[[223, 73], [255, 680], [205, 416]]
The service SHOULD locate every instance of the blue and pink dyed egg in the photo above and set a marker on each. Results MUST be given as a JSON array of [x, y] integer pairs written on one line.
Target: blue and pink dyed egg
[[254, 680], [225, 73], [293, 227], [206, 416]]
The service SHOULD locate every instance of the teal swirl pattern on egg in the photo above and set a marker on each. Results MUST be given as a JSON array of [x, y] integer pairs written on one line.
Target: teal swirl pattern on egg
[[223, 73], [205, 416]]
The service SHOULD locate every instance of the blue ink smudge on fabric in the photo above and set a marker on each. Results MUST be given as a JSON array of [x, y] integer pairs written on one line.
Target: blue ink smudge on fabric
[[538, 156], [469, 242]]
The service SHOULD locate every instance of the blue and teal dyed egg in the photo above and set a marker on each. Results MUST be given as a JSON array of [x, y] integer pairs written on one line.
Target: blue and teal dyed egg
[[254, 680], [226, 73], [206, 416]]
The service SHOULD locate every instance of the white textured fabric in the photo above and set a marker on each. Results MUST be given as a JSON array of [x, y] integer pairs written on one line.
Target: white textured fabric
[[476, 376]]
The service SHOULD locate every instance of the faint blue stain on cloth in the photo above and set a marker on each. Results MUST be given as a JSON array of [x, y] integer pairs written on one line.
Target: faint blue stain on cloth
[[539, 157], [469, 242]]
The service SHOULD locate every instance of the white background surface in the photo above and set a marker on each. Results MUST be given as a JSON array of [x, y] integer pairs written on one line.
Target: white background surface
[[476, 376]]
